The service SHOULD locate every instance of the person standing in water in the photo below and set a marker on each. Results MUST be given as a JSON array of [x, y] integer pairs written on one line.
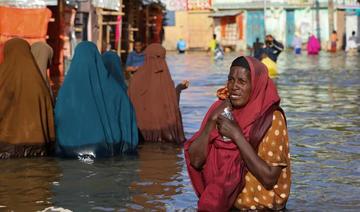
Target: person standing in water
[[272, 48], [251, 168], [333, 40], [26, 107], [136, 58], [156, 100], [181, 46], [297, 43]]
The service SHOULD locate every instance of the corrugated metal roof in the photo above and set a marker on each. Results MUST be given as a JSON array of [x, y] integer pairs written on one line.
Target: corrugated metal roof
[[28, 3], [225, 13]]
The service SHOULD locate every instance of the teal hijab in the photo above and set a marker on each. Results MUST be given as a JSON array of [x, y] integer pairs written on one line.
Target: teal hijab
[[112, 63], [93, 114]]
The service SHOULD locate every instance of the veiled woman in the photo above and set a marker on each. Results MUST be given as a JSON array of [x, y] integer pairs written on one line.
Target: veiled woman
[[112, 63], [155, 99], [251, 168], [43, 54], [26, 108], [94, 116]]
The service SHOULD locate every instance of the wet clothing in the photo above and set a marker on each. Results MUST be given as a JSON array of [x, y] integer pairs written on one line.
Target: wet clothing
[[271, 66], [333, 40], [212, 45], [153, 94], [274, 150], [223, 175], [273, 51], [135, 59], [93, 114], [112, 63], [297, 42], [313, 45], [26, 107]]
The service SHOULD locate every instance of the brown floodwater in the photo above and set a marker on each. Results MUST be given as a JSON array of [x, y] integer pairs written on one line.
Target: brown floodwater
[[320, 95]]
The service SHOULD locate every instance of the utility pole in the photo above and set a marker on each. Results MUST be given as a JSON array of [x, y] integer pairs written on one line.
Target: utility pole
[[264, 16], [331, 16], [317, 9]]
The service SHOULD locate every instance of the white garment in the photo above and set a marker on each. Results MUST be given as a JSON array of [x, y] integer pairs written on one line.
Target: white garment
[[351, 44]]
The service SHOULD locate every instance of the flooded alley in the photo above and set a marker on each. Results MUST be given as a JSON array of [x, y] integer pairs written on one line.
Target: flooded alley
[[320, 95]]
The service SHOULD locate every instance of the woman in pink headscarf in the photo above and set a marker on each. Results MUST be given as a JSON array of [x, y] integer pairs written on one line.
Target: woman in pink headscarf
[[313, 45]]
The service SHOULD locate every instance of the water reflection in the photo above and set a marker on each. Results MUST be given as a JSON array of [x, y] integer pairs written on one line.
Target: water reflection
[[159, 168], [25, 184], [100, 185]]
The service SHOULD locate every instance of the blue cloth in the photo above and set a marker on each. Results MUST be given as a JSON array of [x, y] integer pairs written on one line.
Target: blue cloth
[[112, 63], [93, 114], [135, 59], [181, 45]]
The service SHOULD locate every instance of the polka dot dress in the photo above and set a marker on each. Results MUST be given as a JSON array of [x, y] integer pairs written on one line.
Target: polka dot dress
[[274, 150]]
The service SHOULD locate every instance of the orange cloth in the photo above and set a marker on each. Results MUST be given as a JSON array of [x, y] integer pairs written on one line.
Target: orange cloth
[[29, 24], [274, 150]]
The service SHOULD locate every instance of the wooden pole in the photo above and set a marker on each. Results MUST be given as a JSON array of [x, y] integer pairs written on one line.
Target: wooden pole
[[120, 29], [100, 24]]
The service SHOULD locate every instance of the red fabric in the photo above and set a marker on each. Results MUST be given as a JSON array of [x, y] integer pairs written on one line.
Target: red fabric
[[239, 21], [221, 179], [223, 23]]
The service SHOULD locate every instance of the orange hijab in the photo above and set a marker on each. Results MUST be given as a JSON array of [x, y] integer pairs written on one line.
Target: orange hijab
[[153, 95], [26, 108]]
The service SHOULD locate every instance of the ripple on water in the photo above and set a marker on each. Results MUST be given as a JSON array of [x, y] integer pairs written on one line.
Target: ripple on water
[[320, 95]]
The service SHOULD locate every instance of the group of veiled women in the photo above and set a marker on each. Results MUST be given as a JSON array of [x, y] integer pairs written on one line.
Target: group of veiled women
[[97, 115], [94, 114]]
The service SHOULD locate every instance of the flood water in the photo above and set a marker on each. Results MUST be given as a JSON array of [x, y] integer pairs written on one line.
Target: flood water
[[320, 96]]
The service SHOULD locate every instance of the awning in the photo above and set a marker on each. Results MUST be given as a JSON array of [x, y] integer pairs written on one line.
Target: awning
[[107, 4], [225, 13], [28, 3]]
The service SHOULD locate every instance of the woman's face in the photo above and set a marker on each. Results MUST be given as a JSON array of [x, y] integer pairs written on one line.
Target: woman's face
[[239, 85]]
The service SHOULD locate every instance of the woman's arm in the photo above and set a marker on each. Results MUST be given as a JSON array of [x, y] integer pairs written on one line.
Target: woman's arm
[[198, 150], [267, 175]]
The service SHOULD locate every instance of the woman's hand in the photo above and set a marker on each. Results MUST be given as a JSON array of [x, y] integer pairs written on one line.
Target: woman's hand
[[217, 112], [228, 128]]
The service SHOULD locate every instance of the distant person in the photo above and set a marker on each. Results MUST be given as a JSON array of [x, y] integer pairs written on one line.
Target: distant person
[[273, 48], [93, 114], [212, 45], [181, 46], [43, 54], [333, 39], [26, 108], [136, 58], [156, 100], [351, 46], [297, 43], [313, 45], [219, 52], [257, 47]]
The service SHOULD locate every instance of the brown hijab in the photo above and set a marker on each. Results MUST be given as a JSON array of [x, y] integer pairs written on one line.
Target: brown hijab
[[43, 54], [153, 95], [26, 108]]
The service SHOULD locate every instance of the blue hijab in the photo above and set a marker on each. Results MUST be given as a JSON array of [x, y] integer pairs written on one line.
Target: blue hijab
[[93, 114], [112, 63]]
